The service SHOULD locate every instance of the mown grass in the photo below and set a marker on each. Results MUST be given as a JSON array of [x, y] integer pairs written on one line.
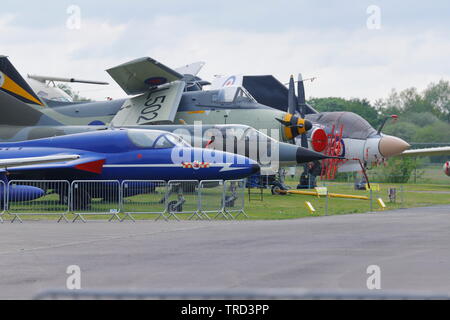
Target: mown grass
[[270, 207]]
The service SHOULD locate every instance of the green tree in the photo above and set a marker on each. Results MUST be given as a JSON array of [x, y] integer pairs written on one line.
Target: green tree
[[438, 95], [74, 94], [398, 170]]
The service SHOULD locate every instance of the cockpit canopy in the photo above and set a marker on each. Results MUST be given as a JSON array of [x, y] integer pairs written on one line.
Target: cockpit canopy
[[155, 139], [233, 94], [240, 133], [354, 126]]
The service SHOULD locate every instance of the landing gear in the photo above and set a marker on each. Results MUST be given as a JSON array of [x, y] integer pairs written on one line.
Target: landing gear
[[278, 190], [177, 205], [82, 200]]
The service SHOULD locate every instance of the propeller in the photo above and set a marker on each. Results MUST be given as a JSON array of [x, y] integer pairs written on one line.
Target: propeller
[[294, 125], [301, 104]]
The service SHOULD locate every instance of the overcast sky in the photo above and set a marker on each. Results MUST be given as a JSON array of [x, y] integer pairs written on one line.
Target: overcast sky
[[329, 40]]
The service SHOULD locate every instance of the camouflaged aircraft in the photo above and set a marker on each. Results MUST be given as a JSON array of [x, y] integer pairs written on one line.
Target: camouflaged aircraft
[[162, 95]]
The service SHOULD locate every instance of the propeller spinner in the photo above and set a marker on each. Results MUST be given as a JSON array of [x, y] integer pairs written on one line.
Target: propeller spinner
[[295, 125]]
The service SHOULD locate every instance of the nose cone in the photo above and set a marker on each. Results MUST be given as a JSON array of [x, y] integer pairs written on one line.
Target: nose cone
[[391, 146], [255, 168], [308, 125], [305, 155]]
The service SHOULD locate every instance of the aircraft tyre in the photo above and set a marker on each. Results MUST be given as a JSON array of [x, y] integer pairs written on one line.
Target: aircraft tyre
[[276, 190], [175, 206]]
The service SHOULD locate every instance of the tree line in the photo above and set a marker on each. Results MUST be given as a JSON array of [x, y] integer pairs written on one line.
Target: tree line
[[423, 116]]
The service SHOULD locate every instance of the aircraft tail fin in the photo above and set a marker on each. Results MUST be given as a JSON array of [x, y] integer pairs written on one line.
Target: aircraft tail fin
[[14, 112], [12, 83]]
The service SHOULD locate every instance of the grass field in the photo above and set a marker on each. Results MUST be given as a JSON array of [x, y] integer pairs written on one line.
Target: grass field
[[258, 207]]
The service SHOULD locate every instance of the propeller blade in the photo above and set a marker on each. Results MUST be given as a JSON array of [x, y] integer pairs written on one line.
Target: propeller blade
[[284, 123], [292, 99], [301, 96], [304, 141]]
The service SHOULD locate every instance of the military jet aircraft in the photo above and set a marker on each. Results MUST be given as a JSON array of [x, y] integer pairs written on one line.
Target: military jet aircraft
[[358, 139], [167, 96], [161, 96], [121, 154]]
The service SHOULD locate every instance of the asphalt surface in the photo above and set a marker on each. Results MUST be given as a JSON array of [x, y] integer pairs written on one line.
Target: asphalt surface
[[411, 246]]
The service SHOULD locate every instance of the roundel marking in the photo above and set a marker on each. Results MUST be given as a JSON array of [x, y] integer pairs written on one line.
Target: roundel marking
[[229, 82], [319, 140], [156, 81], [97, 123], [447, 168]]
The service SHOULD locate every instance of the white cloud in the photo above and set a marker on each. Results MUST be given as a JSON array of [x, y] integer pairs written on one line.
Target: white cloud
[[359, 63]]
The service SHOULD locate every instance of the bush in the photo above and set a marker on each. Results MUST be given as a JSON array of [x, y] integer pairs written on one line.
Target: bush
[[398, 170]]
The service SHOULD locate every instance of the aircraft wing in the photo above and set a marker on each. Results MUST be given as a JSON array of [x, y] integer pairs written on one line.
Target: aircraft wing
[[427, 152], [48, 164], [140, 75], [43, 79], [191, 69], [20, 162]]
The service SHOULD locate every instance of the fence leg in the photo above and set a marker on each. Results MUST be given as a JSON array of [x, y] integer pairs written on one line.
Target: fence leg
[[163, 216], [114, 216], [79, 216], [127, 215], [222, 213], [63, 217], [16, 217], [241, 212], [197, 214]]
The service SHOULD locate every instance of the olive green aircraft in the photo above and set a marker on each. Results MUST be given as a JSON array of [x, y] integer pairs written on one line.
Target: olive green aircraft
[[161, 95]]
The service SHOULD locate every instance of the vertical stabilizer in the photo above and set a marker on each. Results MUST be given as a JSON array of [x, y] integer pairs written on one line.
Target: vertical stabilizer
[[12, 83]]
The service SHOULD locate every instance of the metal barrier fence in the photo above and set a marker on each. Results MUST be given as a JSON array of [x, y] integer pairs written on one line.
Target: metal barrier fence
[[83, 198], [210, 198], [2, 200], [234, 199], [94, 198], [38, 198], [143, 198], [182, 198]]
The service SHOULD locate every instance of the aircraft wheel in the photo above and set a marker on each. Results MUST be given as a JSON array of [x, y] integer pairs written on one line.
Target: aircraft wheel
[[174, 206], [229, 201], [276, 190]]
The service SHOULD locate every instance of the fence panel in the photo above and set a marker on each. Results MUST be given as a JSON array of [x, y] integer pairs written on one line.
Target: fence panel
[[95, 198], [234, 198], [141, 197], [38, 198], [210, 194], [182, 198], [2, 199]]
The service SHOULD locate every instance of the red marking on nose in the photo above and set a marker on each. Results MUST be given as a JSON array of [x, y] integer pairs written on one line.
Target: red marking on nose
[[139, 156]]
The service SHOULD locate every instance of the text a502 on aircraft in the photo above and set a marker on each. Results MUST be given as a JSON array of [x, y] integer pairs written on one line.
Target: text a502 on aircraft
[[161, 96], [247, 141], [179, 98]]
